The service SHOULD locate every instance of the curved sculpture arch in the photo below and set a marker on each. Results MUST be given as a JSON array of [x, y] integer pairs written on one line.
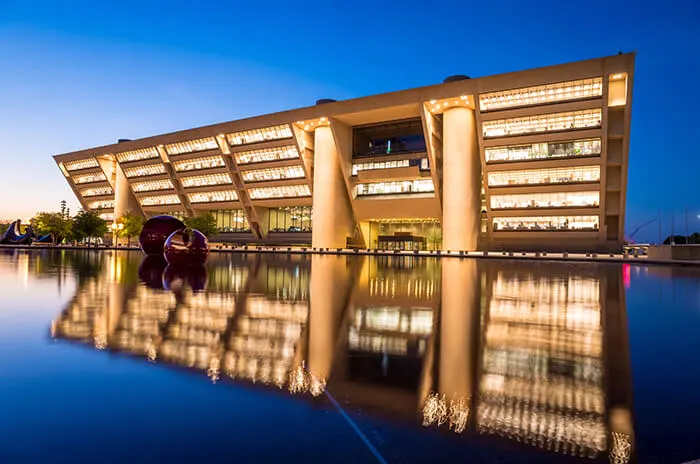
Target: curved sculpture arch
[[12, 235]]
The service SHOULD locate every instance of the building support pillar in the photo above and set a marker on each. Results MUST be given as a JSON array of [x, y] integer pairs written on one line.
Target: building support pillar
[[124, 199], [461, 194], [332, 216]]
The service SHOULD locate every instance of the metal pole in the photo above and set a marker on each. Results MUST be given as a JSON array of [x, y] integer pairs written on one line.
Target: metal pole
[[686, 225], [660, 241]]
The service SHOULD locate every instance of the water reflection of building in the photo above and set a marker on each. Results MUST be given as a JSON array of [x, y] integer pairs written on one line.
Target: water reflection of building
[[534, 354]]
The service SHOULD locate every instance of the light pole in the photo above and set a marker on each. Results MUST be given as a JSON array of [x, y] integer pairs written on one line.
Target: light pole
[[116, 228]]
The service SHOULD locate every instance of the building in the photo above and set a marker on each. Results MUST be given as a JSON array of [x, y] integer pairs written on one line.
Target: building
[[534, 159]]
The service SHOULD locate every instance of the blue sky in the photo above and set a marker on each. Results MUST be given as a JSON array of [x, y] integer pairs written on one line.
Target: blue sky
[[79, 74]]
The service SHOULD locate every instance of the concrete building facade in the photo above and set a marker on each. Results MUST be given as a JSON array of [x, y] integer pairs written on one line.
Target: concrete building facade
[[529, 160]]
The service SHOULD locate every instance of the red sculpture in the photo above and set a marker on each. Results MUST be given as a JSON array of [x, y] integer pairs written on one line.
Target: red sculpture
[[156, 231], [186, 247]]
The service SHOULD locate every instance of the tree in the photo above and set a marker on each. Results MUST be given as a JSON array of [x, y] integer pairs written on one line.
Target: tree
[[3, 226], [205, 223], [55, 224], [133, 224], [87, 224]]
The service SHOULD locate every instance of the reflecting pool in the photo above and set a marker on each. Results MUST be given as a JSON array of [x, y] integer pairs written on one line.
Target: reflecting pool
[[109, 357]]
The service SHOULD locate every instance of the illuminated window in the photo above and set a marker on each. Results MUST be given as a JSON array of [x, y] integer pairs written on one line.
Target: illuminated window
[[421, 163], [178, 148], [545, 223], [212, 197], [211, 179], [290, 219], [545, 176], [393, 188], [107, 216], [147, 170], [101, 204], [288, 172], [543, 123], [282, 131], [81, 164], [160, 200], [96, 191], [285, 191], [544, 150], [231, 220], [563, 91], [199, 163], [546, 200], [140, 154], [268, 154], [87, 178], [163, 184]]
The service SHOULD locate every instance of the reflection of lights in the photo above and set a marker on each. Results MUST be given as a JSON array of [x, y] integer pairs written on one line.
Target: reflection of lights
[[434, 410], [53, 329], [100, 340], [151, 352], [437, 412], [459, 414], [213, 371], [302, 381], [621, 448], [626, 276]]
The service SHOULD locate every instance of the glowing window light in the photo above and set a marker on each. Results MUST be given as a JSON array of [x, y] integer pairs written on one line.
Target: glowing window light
[[136, 155], [147, 170], [543, 123], [394, 188], [213, 197], [81, 164], [101, 204], [546, 200], [260, 175], [267, 154], [96, 191], [207, 162], [545, 223], [357, 167], [160, 200], [162, 184], [286, 191], [211, 179], [190, 146], [588, 147], [282, 131], [568, 175], [542, 94], [88, 178]]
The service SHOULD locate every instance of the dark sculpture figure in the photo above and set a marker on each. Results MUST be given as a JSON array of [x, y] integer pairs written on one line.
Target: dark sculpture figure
[[151, 271], [156, 231], [186, 247], [12, 235]]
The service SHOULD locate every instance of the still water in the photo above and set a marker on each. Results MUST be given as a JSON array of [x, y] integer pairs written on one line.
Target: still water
[[107, 357]]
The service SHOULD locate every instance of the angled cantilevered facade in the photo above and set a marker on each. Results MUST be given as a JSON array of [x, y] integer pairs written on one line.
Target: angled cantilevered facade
[[535, 159]]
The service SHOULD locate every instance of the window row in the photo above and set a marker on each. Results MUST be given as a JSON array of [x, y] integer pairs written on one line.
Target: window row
[[88, 178], [101, 204], [290, 219], [268, 154], [211, 179], [421, 163], [542, 123], [537, 95], [109, 217], [288, 172], [81, 164], [285, 191], [546, 223], [207, 162], [546, 200], [283, 131], [231, 220], [178, 148], [160, 200], [545, 176], [148, 186], [544, 150], [213, 197], [136, 155], [399, 187], [147, 170], [96, 191]]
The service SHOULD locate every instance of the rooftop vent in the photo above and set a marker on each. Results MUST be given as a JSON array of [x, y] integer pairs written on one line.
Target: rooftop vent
[[123, 140], [455, 78], [322, 101]]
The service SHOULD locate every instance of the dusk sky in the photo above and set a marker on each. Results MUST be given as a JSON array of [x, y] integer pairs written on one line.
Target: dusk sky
[[80, 74]]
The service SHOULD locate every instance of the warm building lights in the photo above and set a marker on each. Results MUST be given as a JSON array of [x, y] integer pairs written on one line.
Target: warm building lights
[[158, 200], [213, 197], [136, 155], [211, 179], [546, 200], [81, 164], [96, 191], [146, 170], [285, 191], [542, 94], [268, 154], [89, 178], [545, 223], [196, 164], [282, 131], [260, 175], [148, 186], [396, 188], [190, 146], [543, 123], [576, 174], [544, 150], [101, 204]]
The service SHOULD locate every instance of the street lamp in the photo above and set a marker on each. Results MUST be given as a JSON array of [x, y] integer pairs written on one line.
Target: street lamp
[[115, 229]]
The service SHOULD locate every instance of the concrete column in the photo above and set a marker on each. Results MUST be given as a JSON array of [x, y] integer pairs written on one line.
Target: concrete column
[[459, 321], [332, 216], [461, 192], [124, 200]]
